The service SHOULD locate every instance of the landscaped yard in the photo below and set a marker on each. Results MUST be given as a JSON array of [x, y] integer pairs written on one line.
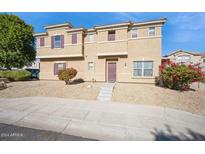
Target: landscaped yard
[[191, 101], [51, 89]]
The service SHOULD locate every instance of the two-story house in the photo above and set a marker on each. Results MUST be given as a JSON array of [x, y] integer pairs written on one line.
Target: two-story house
[[187, 57], [122, 52]]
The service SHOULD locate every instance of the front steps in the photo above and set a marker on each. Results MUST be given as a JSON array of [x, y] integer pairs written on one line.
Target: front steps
[[106, 92]]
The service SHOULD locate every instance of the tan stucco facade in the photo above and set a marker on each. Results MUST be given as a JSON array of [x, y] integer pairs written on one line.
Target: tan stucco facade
[[122, 51]]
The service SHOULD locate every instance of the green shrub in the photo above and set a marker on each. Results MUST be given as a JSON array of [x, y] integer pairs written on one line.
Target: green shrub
[[179, 76], [67, 74], [16, 75]]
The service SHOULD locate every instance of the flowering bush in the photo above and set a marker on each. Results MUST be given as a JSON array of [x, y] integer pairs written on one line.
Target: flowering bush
[[67, 74], [179, 76]]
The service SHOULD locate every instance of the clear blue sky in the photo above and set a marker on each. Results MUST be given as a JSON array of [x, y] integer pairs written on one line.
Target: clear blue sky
[[182, 30]]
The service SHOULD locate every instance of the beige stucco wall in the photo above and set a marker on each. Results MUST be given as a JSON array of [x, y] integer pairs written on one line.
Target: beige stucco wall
[[69, 48], [111, 47], [139, 49], [47, 67]]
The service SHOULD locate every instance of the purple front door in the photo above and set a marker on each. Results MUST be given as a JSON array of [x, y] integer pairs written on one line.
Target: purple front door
[[111, 72]]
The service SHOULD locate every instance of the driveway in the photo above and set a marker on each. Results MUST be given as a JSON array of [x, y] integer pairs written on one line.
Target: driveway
[[102, 120]]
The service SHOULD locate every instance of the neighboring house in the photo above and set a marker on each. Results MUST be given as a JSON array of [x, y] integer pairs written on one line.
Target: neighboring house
[[34, 68], [34, 65], [187, 57], [122, 52]]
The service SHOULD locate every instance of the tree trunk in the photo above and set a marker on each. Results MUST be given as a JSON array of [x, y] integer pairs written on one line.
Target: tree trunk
[[67, 82]]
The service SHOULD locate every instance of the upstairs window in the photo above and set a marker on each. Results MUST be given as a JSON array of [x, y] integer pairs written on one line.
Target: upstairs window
[[203, 60], [183, 58], [187, 58], [42, 42], [57, 41], [134, 33], [151, 31], [90, 37], [179, 59], [74, 38], [111, 35]]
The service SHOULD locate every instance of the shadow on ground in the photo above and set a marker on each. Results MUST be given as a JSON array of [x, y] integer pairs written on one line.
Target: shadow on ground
[[16, 133], [76, 81], [169, 135]]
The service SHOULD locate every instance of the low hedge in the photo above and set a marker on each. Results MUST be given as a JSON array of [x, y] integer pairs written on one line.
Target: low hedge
[[16, 75]]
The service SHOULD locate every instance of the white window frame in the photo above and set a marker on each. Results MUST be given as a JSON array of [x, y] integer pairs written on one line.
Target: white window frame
[[185, 58], [89, 68], [182, 58], [142, 69], [179, 57], [152, 31], [59, 41], [60, 64], [89, 37], [134, 32]]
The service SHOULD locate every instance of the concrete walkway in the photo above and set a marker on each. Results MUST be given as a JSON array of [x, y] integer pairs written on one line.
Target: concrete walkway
[[102, 121], [106, 92]]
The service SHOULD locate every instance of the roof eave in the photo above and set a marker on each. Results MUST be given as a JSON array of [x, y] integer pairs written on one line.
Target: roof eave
[[75, 30], [192, 53], [112, 25], [40, 34], [58, 26], [160, 21]]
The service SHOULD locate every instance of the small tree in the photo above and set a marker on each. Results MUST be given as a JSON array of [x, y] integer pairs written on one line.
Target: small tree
[[179, 76], [67, 74], [16, 42]]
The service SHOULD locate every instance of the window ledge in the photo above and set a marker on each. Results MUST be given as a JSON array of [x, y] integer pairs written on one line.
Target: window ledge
[[143, 77], [90, 42], [114, 41]]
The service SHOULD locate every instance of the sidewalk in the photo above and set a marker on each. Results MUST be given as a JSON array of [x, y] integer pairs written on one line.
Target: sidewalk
[[102, 121]]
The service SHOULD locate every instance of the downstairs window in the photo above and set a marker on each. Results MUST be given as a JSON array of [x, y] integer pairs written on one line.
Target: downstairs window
[[142, 68]]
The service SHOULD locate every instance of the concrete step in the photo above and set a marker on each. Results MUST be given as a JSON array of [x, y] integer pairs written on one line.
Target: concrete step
[[105, 95], [108, 87], [105, 92], [109, 90], [103, 98], [105, 88]]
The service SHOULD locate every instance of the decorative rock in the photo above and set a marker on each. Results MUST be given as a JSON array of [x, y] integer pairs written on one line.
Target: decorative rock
[[2, 85], [89, 86], [4, 80]]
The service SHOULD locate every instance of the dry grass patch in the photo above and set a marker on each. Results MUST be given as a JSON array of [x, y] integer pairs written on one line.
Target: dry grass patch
[[191, 101], [51, 89]]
